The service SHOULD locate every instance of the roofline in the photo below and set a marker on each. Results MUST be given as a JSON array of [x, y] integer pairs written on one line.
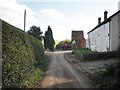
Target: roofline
[[107, 20], [77, 30]]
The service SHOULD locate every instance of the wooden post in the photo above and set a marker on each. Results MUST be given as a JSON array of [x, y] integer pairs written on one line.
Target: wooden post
[[24, 19]]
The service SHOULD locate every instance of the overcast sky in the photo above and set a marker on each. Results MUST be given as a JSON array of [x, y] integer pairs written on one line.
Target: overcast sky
[[62, 15]]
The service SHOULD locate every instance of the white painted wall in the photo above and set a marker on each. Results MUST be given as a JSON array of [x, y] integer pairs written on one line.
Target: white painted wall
[[119, 30], [99, 38], [114, 33], [89, 40], [119, 5], [103, 39], [87, 43]]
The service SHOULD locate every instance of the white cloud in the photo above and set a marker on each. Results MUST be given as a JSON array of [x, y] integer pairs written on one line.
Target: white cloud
[[13, 13], [80, 15], [52, 13], [76, 21], [66, 0]]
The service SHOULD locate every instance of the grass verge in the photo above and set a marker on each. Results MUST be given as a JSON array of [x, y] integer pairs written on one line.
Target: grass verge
[[81, 50], [109, 78]]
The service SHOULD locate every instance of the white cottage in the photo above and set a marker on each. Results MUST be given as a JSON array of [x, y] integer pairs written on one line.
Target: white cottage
[[106, 35]]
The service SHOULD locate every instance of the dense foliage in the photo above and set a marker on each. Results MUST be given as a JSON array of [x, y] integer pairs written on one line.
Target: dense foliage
[[64, 44], [49, 40], [23, 58], [36, 32]]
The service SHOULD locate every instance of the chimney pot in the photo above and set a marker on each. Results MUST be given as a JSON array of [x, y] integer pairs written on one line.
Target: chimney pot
[[105, 15], [99, 20]]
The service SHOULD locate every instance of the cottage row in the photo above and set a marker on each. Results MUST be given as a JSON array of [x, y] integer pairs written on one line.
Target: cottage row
[[106, 35]]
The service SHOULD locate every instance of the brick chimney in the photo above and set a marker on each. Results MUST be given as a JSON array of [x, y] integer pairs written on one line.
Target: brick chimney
[[99, 20], [105, 15]]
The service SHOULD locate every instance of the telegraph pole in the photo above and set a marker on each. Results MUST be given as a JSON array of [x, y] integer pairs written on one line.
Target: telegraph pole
[[24, 19]]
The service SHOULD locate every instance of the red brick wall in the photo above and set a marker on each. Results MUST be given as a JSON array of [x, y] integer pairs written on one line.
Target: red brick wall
[[81, 42]]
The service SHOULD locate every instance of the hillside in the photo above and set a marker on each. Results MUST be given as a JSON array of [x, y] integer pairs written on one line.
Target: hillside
[[23, 58]]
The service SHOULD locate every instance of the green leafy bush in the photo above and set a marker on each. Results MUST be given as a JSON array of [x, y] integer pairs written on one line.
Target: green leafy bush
[[23, 56]]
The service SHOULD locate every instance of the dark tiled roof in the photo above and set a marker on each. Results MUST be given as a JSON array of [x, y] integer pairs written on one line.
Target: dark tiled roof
[[104, 22]]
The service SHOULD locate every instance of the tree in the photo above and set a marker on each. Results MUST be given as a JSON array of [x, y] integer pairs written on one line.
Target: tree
[[64, 44], [49, 40], [36, 32]]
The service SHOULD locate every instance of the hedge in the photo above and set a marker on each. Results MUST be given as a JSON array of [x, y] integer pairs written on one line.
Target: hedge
[[23, 58], [100, 55], [97, 55]]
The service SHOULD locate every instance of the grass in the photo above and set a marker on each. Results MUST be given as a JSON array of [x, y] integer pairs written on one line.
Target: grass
[[79, 53], [108, 78], [83, 51]]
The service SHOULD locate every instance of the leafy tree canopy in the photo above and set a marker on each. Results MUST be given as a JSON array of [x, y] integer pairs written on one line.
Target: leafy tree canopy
[[36, 32]]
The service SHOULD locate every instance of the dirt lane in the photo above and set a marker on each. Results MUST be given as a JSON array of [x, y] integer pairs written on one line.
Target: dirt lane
[[61, 74]]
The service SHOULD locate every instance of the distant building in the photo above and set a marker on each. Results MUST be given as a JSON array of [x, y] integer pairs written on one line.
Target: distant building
[[106, 35], [78, 39], [77, 34]]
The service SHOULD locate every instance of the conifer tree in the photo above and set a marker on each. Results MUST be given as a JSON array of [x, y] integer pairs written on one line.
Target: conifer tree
[[49, 40]]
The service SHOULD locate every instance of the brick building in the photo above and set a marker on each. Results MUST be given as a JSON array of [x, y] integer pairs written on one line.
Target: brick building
[[78, 39]]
